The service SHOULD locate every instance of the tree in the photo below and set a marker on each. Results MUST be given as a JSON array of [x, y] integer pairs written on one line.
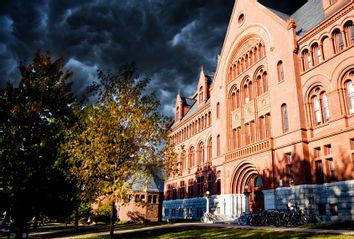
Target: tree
[[121, 139], [34, 119]]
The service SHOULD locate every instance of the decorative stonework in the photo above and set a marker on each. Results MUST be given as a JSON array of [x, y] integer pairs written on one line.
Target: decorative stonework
[[249, 111], [263, 104], [236, 118]]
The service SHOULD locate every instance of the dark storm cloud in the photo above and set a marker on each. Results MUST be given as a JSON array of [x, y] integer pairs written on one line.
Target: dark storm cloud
[[169, 40]]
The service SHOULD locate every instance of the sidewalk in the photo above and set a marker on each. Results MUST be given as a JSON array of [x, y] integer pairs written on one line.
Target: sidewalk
[[176, 225]]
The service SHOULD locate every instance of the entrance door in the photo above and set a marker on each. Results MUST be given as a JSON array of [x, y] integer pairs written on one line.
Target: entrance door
[[255, 197]]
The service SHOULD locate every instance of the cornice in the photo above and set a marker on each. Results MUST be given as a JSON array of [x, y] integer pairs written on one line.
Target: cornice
[[327, 22], [205, 106]]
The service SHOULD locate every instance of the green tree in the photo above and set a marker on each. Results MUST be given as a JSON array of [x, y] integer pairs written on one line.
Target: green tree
[[34, 119], [122, 141]]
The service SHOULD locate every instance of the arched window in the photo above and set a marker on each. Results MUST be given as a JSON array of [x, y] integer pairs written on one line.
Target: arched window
[[325, 108], [246, 97], [210, 149], [218, 187], [218, 145], [284, 118], [262, 127], [234, 138], [233, 101], [260, 51], [265, 82], [259, 85], [306, 60], [349, 32], [217, 110], [316, 54], [191, 158], [320, 109], [337, 41], [280, 71], [201, 154], [317, 110], [183, 161], [350, 95], [238, 103], [201, 94]]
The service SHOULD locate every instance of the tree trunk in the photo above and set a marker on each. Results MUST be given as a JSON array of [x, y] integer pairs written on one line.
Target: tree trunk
[[112, 221], [76, 227]]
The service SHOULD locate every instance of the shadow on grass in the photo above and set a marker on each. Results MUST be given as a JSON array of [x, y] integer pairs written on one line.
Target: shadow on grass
[[214, 233]]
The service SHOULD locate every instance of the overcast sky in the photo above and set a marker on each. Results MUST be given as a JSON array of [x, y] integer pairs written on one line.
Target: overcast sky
[[168, 39]]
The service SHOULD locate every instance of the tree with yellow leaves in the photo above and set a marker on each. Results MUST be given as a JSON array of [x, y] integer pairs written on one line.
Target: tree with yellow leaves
[[120, 140]]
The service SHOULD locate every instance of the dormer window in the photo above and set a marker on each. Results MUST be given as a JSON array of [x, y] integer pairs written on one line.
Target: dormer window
[[201, 98]]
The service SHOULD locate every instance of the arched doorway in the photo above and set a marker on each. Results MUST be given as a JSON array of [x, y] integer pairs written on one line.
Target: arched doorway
[[248, 184], [253, 190]]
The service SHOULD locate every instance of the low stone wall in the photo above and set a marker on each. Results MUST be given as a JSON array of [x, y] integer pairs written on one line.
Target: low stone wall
[[331, 201]]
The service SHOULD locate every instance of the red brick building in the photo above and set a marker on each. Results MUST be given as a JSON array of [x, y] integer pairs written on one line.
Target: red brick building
[[276, 120]]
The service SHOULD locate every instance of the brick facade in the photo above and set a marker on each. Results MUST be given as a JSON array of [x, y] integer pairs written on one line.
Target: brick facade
[[275, 122]]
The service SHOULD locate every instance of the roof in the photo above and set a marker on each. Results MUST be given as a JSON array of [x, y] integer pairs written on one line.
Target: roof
[[306, 13], [155, 184], [308, 16]]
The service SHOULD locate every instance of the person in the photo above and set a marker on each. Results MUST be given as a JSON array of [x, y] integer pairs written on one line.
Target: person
[[291, 204]]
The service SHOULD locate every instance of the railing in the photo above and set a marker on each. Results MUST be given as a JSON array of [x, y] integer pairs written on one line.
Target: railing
[[250, 149]]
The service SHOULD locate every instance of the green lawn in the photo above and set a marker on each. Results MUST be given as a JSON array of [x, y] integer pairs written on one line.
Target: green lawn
[[214, 233]]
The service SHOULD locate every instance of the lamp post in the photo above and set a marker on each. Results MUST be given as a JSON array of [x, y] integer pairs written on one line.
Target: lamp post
[[207, 201]]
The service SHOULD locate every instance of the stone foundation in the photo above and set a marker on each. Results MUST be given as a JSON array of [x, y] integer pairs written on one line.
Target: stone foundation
[[331, 201]]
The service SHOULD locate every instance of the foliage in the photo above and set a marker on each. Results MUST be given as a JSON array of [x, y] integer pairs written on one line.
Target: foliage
[[34, 117], [104, 210], [120, 139]]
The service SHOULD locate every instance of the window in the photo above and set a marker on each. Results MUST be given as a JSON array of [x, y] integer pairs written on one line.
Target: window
[[284, 115], [218, 187], [174, 192], [217, 110], [289, 178], [349, 32], [218, 145], [239, 137], [183, 161], [233, 101], [331, 2], [325, 108], [201, 154], [262, 129], [201, 97], [319, 172], [154, 199], [248, 133], [280, 69], [210, 149], [306, 60], [316, 54], [181, 190], [252, 132], [267, 125], [150, 199], [352, 144], [327, 47], [210, 188], [191, 158], [330, 167], [327, 150], [317, 110], [322, 209], [234, 138], [317, 153], [200, 185], [190, 188], [337, 41], [333, 209], [350, 95]]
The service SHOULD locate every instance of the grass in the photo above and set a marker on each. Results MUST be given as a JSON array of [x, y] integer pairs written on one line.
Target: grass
[[348, 225], [215, 233]]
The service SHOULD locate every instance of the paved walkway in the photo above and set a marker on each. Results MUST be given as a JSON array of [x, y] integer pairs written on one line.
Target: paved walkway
[[176, 225]]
